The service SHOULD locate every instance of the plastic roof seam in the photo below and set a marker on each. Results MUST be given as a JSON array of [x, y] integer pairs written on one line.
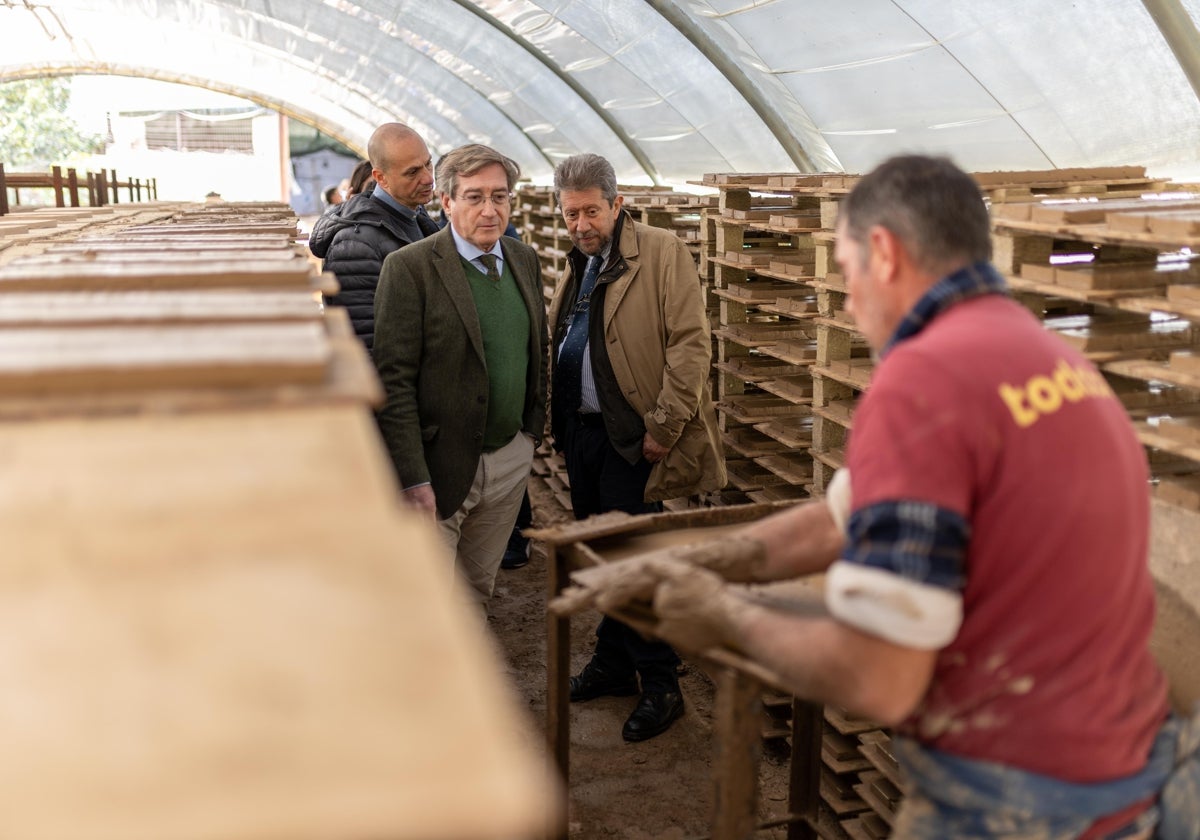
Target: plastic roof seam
[[632, 147], [738, 78], [942, 44]]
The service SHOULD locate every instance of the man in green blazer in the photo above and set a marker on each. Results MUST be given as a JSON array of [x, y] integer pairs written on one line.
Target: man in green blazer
[[460, 344]]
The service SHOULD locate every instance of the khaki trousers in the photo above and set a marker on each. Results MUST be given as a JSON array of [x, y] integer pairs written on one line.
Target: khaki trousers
[[478, 531]]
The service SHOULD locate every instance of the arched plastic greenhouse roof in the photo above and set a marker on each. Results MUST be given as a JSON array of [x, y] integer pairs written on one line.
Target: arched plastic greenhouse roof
[[671, 89]]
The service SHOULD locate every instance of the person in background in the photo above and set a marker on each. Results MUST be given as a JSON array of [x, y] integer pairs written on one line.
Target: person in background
[[461, 350], [992, 477], [333, 197], [360, 179], [631, 410], [355, 238]]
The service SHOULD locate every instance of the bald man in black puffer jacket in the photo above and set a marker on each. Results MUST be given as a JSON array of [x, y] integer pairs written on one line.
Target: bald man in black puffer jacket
[[356, 236]]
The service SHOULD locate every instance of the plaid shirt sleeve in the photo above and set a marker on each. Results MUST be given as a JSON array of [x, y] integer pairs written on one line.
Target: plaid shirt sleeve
[[918, 541]]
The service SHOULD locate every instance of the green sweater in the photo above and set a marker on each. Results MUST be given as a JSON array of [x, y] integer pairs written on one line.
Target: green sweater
[[504, 322]]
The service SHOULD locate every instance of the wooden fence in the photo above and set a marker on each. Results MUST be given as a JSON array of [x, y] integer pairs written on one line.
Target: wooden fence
[[71, 189]]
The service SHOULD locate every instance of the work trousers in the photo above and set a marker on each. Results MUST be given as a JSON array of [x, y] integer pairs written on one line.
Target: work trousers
[[478, 531], [602, 480]]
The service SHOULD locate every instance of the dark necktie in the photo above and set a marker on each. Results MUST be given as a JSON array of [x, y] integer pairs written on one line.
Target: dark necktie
[[427, 225], [568, 378], [489, 262]]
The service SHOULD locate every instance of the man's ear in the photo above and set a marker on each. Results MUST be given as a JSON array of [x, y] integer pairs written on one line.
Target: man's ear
[[886, 251]]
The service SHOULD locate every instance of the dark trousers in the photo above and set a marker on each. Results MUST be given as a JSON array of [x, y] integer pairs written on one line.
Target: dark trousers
[[602, 480], [517, 542]]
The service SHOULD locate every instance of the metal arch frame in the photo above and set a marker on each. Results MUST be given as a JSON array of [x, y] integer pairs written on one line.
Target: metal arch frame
[[99, 68], [1179, 31], [579, 90], [273, 21], [736, 77]]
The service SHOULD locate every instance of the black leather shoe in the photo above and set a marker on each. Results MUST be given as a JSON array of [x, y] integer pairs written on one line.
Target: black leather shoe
[[653, 715], [515, 556], [596, 681]]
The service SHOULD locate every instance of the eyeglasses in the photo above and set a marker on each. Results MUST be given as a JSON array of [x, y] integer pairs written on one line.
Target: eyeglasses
[[475, 199]]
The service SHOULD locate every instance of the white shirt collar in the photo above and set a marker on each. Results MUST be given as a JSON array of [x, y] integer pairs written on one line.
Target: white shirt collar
[[471, 253]]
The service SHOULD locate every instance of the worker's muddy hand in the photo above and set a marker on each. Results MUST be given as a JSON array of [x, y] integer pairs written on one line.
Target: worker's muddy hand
[[735, 557], [570, 600], [611, 585], [697, 610]]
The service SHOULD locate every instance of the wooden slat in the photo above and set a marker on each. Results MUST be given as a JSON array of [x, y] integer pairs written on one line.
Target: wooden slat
[[149, 275], [750, 443], [794, 467], [40, 360], [758, 408], [797, 388], [1182, 491], [163, 307], [68, 259], [793, 431], [1120, 276], [1121, 331]]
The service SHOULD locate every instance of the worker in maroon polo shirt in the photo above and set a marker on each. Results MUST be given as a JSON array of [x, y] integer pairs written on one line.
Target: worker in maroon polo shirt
[[987, 592]]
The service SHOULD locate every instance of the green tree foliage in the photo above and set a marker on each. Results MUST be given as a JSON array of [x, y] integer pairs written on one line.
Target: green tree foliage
[[35, 130]]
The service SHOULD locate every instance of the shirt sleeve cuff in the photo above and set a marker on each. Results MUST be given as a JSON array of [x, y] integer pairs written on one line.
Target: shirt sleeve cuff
[[894, 608]]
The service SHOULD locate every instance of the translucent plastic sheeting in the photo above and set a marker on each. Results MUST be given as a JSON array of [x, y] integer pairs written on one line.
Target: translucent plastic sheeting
[[667, 89], [1019, 84], [665, 94]]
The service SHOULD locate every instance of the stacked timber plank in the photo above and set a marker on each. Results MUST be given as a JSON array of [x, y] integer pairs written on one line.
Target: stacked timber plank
[[1122, 279], [192, 302], [678, 212], [542, 227], [778, 307], [782, 337], [33, 225], [213, 598]]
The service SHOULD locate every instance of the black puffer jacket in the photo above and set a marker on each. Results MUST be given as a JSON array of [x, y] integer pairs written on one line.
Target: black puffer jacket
[[353, 239]]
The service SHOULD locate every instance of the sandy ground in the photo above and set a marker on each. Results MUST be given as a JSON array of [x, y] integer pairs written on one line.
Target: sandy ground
[[659, 788]]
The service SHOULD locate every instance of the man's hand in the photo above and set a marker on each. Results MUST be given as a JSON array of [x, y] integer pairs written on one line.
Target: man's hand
[[612, 585], [696, 609], [652, 451], [421, 499]]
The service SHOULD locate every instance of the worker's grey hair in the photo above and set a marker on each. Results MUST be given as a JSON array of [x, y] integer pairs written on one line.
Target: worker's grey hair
[[934, 208], [586, 172], [465, 161]]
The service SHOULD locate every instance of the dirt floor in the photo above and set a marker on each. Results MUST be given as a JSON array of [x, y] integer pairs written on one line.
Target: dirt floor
[[659, 788]]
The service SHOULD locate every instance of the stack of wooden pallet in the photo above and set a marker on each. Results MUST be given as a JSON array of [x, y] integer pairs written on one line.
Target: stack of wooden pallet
[[196, 302], [1118, 278], [678, 212], [214, 600], [780, 326], [542, 227]]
